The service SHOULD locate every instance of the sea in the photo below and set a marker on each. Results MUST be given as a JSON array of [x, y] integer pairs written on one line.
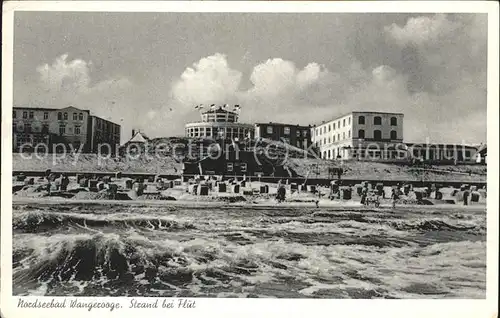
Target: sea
[[96, 249]]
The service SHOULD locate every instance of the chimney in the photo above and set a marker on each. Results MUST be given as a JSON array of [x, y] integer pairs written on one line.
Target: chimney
[[133, 133]]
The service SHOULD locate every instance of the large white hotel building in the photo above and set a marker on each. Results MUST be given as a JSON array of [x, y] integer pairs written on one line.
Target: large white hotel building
[[360, 135]]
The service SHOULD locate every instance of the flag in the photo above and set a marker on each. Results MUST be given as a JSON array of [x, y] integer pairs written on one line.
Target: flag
[[237, 107]]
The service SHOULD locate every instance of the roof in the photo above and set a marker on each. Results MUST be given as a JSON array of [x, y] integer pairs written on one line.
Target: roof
[[48, 109], [106, 120], [442, 145], [218, 110], [482, 149], [139, 137], [282, 124], [357, 112]]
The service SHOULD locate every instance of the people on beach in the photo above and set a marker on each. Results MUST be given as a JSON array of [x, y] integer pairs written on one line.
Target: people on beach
[[364, 194], [394, 196], [281, 194]]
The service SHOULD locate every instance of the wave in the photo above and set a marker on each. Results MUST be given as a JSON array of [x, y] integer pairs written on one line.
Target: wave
[[35, 222], [132, 264]]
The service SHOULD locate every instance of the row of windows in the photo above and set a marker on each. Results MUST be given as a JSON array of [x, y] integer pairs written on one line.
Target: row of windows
[[377, 134], [377, 120], [219, 118], [230, 167], [62, 130], [29, 115], [28, 128], [286, 131], [76, 116], [60, 115], [334, 138], [217, 132], [335, 125]]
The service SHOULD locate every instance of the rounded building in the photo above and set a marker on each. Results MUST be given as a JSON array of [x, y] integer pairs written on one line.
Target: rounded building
[[219, 123]]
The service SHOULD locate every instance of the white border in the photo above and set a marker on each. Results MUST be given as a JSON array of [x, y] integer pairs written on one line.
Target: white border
[[268, 307]]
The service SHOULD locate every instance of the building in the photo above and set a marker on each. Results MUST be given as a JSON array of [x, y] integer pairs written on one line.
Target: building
[[219, 124], [102, 133], [481, 155], [442, 153], [295, 135], [235, 162], [360, 135], [70, 128]]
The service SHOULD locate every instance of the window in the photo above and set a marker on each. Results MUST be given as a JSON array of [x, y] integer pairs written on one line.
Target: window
[[349, 134], [394, 134], [65, 116], [329, 140], [75, 116], [304, 133], [80, 116], [329, 127], [343, 135], [394, 121], [377, 120], [324, 141], [361, 120], [297, 133], [243, 167], [31, 115], [14, 114], [77, 130], [343, 122], [333, 126], [25, 115], [377, 134], [287, 130], [62, 129], [229, 167], [269, 129], [27, 128], [317, 131], [349, 120], [59, 116], [45, 115], [338, 137], [361, 134], [333, 138], [329, 155], [45, 129], [467, 154]]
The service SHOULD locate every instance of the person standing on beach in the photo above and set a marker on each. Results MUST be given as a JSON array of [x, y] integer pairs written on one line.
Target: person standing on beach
[[394, 197], [364, 193]]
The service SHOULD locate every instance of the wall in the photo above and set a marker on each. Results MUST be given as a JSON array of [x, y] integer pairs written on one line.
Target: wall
[[280, 133]]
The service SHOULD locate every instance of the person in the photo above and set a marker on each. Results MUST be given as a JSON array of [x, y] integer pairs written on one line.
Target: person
[[364, 193], [281, 194], [466, 197], [394, 197]]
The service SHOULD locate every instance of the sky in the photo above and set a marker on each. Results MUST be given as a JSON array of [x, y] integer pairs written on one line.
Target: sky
[[147, 71]]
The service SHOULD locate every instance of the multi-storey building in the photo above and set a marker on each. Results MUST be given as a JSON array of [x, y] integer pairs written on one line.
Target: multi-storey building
[[295, 135], [361, 135], [219, 124], [56, 129], [103, 132]]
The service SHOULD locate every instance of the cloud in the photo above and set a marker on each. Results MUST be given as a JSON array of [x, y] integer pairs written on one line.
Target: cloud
[[421, 30], [210, 80], [430, 67], [62, 75]]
